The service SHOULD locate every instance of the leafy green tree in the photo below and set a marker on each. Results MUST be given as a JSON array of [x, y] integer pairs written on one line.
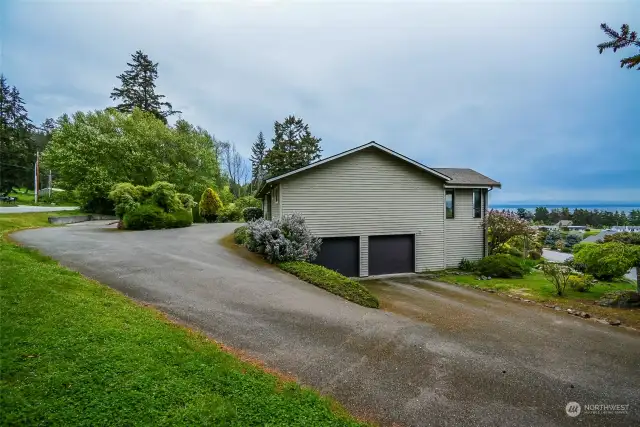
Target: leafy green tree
[[209, 205], [93, 151], [16, 151], [258, 153], [293, 147], [620, 40], [541, 215], [138, 89]]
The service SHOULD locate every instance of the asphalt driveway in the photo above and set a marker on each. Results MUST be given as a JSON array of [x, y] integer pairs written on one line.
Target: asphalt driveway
[[452, 356]]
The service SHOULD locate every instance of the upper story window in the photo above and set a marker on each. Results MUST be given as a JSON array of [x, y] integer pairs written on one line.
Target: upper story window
[[477, 203], [449, 203]]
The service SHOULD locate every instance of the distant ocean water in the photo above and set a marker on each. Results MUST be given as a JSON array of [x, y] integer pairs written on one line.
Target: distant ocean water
[[601, 207]]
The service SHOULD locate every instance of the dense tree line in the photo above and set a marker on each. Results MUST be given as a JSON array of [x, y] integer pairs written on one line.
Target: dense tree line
[[595, 218], [293, 147], [133, 142]]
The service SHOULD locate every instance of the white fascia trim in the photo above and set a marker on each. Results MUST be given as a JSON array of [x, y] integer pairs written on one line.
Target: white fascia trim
[[354, 150]]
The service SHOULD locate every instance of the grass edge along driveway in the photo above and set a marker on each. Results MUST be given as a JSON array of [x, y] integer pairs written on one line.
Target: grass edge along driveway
[[75, 352]]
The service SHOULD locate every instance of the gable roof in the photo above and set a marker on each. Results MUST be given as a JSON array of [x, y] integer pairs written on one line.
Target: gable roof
[[465, 176], [371, 144]]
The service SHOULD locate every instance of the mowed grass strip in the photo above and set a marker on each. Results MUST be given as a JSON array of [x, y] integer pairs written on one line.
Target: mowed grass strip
[[75, 352]]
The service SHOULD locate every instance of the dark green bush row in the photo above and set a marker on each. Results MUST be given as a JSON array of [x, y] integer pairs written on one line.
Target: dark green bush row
[[251, 213], [331, 281], [501, 265], [150, 217]]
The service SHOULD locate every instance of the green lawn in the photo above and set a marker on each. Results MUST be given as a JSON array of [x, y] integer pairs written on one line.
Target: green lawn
[[28, 199], [76, 352], [591, 232], [536, 287]]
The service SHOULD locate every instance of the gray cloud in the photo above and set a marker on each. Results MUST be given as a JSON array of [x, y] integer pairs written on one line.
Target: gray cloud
[[501, 87]]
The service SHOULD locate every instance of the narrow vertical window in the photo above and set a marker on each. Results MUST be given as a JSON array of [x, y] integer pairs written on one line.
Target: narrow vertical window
[[449, 203], [477, 203], [276, 193]]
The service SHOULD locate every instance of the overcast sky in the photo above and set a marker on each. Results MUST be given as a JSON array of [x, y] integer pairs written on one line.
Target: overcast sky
[[514, 90]]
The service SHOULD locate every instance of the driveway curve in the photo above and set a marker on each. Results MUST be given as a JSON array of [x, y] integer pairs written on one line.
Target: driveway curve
[[484, 360]]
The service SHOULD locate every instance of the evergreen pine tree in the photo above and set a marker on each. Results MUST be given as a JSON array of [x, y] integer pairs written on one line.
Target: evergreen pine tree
[[293, 147], [138, 88], [620, 40], [15, 139], [258, 152]]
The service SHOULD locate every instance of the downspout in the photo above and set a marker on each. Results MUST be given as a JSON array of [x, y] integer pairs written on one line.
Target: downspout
[[486, 231]]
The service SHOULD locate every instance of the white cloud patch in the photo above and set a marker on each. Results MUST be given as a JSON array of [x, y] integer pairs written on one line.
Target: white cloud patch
[[516, 91]]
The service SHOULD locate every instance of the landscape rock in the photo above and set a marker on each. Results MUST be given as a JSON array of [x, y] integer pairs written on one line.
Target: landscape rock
[[615, 322], [557, 308], [620, 299], [584, 315]]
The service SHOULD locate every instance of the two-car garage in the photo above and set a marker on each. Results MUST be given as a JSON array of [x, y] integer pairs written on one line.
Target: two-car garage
[[387, 254]]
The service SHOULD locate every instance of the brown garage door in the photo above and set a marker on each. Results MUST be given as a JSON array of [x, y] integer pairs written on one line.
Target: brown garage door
[[391, 254], [341, 254]]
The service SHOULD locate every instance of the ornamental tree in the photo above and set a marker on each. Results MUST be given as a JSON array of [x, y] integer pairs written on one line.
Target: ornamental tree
[[210, 204], [502, 226]]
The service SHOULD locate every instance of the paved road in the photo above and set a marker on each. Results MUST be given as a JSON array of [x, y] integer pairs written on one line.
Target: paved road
[[456, 356], [23, 209], [556, 256]]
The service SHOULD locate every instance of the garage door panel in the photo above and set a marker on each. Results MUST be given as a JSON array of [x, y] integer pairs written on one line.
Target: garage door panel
[[391, 254], [341, 254]]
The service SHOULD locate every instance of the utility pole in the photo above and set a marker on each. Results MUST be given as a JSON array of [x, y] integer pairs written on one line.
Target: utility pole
[[35, 178], [49, 185]]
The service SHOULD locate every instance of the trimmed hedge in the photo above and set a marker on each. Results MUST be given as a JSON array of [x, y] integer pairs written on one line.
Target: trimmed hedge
[[144, 217], [501, 265], [331, 281], [150, 217]]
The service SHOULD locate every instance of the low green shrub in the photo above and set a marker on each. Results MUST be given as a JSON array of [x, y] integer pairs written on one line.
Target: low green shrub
[[515, 252], [331, 281], [179, 219], [624, 237], [241, 234], [580, 283], [229, 213], [195, 212], [557, 274], [145, 217], [501, 265], [252, 214], [467, 265], [248, 202]]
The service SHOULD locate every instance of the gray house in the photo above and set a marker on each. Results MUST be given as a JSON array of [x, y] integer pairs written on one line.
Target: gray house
[[379, 212]]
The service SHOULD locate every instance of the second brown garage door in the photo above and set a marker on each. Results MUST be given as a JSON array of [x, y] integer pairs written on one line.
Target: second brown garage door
[[391, 254]]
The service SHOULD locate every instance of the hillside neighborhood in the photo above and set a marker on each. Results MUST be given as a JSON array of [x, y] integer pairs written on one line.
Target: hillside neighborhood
[[153, 273]]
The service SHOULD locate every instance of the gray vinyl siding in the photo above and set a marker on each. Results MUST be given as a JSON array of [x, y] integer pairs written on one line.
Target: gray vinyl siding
[[371, 193], [464, 234], [276, 206]]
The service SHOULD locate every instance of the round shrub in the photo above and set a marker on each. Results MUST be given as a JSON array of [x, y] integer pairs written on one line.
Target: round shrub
[[467, 265], [580, 283], [209, 205], [605, 261], [252, 214], [164, 195], [145, 217], [229, 213], [500, 265], [240, 235], [179, 219]]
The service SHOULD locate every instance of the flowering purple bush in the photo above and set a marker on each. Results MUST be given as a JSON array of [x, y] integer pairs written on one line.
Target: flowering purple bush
[[286, 239]]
